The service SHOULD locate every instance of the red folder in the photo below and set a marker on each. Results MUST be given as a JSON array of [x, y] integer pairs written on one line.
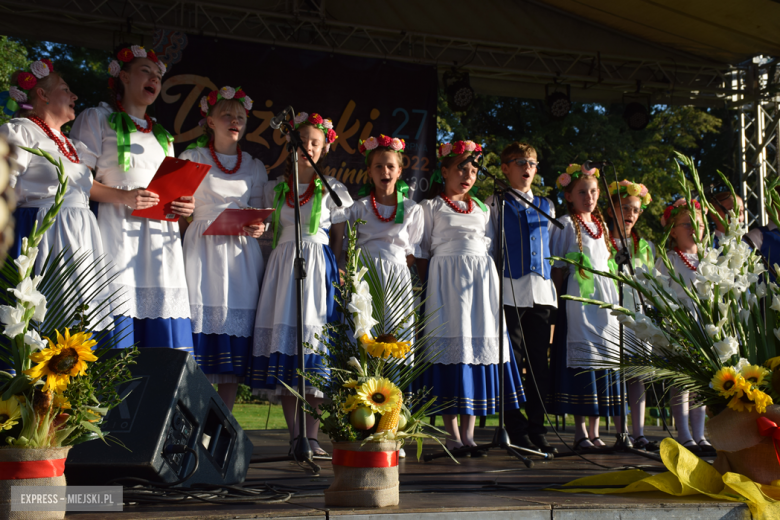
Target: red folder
[[233, 220], [175, 178]]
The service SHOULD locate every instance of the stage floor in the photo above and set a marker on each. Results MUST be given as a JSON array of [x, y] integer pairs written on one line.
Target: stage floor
[[495, 487]]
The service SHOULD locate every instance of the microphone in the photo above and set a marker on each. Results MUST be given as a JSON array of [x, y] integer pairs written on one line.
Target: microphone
[[471, 159], [279, 118], [589, 165]]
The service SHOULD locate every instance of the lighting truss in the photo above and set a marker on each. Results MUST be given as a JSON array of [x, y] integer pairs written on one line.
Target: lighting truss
[[298, 24]]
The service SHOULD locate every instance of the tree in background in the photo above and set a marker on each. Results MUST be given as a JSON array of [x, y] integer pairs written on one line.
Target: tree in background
[[13, 56], [596, 132]]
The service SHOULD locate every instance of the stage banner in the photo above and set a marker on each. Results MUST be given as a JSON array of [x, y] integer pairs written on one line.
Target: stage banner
[[361, 96]]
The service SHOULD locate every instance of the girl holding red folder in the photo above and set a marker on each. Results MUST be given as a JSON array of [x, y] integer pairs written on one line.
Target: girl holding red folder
[[322, 226], [224, 272], [125, 148]]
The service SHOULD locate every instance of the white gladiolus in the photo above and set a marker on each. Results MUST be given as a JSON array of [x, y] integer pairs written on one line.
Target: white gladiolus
[[758, 268], [775, 303], [752, 300], [777, 333], [353, 361], [34, 340], [723, 307], [726, 348], [711, 330], [744, 315], [12, 318], [362, 305], [25, 262], [40, 311], [624, 319], [761, 290], [742, 363], [26, 291]]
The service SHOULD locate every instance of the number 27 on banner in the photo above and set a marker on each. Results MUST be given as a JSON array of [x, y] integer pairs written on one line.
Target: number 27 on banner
[[416, 162]]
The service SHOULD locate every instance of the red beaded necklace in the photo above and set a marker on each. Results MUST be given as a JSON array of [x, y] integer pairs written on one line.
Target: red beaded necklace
[[67, 149], [594, 236], [376, 210], [684, 259], [302, 199], [219, 164], [634, 239], [137, 126], [455, 206]]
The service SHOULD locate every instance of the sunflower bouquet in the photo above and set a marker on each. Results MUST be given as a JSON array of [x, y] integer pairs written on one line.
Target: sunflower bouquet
[[58, 389], [721, 341], [372, 355]]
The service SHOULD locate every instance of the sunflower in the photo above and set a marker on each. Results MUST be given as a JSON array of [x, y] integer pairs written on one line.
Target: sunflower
[[350, 404], [62, 360], [10, 413], [746, 402], [762, 400], [381, 395], [727, 381], [385, 345], [351, 383], [772, 363], [754, 374], [741, 403], [61, 402]]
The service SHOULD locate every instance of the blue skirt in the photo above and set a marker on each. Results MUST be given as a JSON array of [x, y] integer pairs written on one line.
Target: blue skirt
[[577, 391], [222, 353], [24, 219], [154, 332], [472, 389], [267, 371]]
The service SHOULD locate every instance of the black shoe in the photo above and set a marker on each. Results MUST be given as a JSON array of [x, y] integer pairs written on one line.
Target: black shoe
[[521, 440], [540, 441]]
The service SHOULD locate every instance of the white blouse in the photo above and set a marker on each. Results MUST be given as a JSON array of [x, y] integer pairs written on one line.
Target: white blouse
[[446, 225], [402, 239], [34, 178]]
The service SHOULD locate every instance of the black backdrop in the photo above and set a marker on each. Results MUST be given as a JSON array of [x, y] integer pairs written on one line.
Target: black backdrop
[[361, 96]]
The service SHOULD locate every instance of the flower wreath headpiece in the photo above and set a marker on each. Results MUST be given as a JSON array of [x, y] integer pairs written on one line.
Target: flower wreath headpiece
[[574, 172], [672, 210], [456, 148], [206, 102], [392, 144], [16, 98], [127, 55], [631, 189], [326, 125]]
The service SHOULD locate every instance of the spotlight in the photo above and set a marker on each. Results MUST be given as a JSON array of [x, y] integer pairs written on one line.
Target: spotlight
[[636, 116], [558, 103], [460, 95]]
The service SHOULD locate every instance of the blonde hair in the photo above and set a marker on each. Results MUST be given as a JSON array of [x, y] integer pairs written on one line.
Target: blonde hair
[[233, 105]]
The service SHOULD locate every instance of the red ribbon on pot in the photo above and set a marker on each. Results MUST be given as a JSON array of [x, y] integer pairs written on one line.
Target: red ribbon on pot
[[767, 428], [32, 469], [365, 459]]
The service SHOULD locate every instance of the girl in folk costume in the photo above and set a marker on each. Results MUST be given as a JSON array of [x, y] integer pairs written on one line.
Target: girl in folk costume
[[42, 101], [462, 294], [322, 226], [126, 147], [582, 332], [394, 224], [684, 259], [630, 200], [224, 272]]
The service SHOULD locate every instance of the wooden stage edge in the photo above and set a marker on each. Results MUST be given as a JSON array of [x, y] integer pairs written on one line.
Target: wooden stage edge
[[495, 487]]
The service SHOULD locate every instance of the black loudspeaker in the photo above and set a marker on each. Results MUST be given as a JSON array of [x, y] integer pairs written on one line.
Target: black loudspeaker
[[171, 405]]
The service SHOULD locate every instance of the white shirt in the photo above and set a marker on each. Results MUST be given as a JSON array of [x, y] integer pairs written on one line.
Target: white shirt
[[530, 289]]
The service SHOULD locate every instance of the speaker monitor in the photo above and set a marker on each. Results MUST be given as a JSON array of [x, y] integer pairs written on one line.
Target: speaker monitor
[[169, 403]]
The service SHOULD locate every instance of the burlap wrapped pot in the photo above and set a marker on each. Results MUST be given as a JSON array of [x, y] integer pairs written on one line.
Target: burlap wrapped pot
[[364, 476], [741, 449], [50, 462]]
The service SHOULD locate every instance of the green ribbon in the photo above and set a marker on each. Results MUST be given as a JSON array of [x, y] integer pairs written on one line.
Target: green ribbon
[[164, 138], [280, 193], [479, 203], [123, 125], [401, 190], [436, 177], [200, 142], [585, 281]]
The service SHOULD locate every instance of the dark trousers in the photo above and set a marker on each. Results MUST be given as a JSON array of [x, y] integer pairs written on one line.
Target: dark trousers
[[536, 322]]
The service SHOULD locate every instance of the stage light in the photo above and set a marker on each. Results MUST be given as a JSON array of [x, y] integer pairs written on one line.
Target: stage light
[[460, 95], [636, 115], [559, 103]]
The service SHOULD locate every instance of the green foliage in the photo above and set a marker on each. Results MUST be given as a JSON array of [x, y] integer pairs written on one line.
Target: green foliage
[[13, 56], [596, 132]]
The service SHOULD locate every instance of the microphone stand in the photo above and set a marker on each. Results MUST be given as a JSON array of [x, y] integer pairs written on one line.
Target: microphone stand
[[500, 437], [302, 451]]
